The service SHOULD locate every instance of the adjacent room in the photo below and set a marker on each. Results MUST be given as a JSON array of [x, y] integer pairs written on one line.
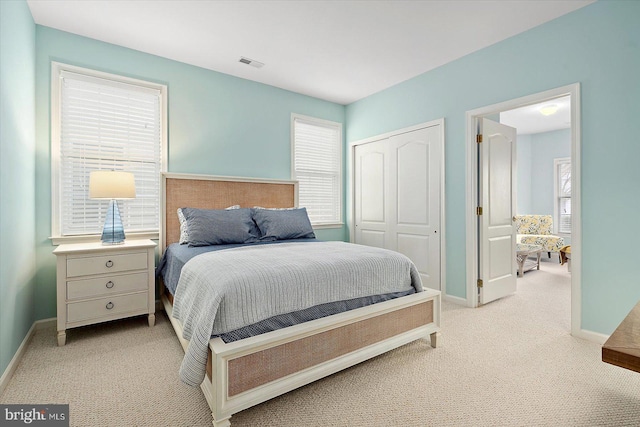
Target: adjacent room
[[543, 194], [311, 213]]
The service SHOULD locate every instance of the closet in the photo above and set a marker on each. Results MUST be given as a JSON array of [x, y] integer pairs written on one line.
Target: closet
[[397, 189]]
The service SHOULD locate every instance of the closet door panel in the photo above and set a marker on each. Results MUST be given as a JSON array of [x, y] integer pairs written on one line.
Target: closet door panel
[[371, 169], [416, 248], [372, 179], [372, 238], [413, 183], [397, 197]]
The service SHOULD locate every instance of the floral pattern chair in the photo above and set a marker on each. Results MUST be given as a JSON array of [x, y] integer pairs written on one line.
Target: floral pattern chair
[[536, 230]]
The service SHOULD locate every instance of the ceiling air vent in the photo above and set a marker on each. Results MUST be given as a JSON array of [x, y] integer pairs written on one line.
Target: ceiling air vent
[[251, 62]]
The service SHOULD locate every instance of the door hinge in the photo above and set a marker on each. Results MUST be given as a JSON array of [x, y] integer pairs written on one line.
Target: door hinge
[[479, 138], [479, 283], [479, 210]]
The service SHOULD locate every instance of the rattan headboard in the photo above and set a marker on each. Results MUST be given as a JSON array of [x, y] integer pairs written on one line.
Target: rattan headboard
[[218, 192]]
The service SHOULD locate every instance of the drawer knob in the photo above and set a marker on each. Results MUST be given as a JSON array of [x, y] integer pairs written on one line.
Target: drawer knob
[[109, 264], [109, 284], [109, 305]]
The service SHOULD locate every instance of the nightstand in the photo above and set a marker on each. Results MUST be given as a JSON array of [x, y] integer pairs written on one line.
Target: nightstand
[[98, 283]]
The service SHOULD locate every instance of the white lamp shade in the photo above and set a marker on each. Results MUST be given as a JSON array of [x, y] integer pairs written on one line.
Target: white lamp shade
[[111, 185]]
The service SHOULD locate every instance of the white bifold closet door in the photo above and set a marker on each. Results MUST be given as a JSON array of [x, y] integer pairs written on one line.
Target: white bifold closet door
[[397, 197]]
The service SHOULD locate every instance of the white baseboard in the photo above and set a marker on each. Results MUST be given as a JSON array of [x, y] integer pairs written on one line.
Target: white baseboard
[[591, 336], [11, 368], [455, 300]]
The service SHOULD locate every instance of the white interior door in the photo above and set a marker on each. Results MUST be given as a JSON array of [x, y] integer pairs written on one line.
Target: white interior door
[[397, 197], [497, 234], [371, 191]]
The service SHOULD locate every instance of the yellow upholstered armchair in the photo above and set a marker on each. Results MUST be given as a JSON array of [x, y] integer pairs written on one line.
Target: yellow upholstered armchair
[[536, 230]]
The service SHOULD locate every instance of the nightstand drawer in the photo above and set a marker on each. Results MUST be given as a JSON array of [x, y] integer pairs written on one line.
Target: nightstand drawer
[[106, 264], [106, 307], [115, 284]]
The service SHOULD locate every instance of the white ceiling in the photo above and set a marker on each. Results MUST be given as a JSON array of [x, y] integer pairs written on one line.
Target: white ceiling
[[340, 51], [529, 120]]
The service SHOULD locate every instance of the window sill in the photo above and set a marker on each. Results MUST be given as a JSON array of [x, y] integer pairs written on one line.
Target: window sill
[[58, 240], [326, 226]]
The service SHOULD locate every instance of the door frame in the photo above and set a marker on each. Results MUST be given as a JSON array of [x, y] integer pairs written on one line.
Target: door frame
[[472, 193], [351, 216]]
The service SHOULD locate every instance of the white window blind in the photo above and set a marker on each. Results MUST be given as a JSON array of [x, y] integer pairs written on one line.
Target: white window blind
[[563, 195], [107, 125], [317, 155]]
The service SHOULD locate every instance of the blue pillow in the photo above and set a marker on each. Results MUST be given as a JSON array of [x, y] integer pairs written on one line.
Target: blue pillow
[[282, 224], [217, 226], [184, 231]]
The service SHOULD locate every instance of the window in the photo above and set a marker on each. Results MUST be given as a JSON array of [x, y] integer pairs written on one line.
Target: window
[[317, 166], [562, 208], [102, 121]]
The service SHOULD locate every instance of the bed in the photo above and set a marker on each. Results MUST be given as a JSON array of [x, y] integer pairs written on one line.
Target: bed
[[249, 370]]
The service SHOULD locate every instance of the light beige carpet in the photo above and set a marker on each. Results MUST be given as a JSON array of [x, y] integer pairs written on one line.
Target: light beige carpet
[[509, 363]]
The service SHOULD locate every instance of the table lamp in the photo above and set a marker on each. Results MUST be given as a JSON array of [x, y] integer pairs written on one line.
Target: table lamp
[[112, 185]]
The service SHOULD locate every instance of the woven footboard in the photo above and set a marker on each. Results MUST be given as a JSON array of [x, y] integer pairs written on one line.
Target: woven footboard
[[256, 369], [252, 370], [247, 372]]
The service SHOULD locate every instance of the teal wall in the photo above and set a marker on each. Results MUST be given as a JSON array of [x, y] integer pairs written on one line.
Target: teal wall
[[536, 154], [545, 148], [523, 177], [218, 124], [598, 46], [17, 176]]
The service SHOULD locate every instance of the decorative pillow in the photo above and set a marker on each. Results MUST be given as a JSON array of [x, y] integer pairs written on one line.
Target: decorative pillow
[[202, 227], [282, 224], [184, 231]]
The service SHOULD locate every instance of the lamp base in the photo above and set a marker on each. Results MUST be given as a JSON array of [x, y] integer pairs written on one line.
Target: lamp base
[[113, 231]]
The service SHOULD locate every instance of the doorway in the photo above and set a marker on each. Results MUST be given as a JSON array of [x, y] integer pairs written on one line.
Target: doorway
[[472, 191]]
